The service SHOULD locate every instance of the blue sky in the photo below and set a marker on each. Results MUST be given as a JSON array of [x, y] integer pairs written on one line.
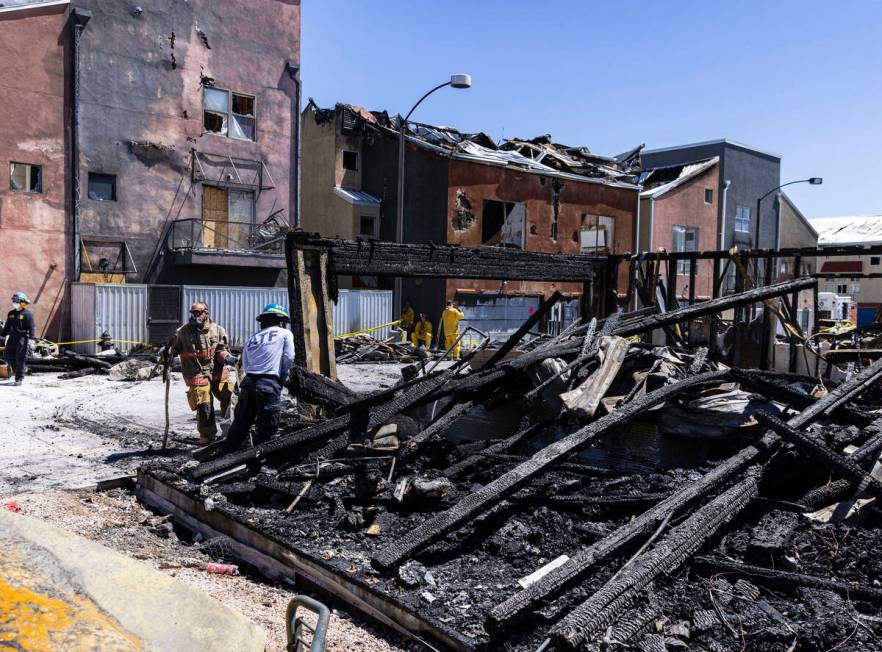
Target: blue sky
[[802, 79]]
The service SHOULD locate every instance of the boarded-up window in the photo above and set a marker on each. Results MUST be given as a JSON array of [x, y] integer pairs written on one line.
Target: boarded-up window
[[598, 234], [24, 177]]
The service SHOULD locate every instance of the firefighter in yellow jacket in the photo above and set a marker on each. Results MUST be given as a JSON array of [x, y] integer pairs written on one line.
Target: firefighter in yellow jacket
[[422, 332], [205, 354], [406, 321], [450, 319]]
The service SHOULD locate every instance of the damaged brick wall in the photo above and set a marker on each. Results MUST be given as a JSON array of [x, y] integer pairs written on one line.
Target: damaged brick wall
[[547, 200], [142, 81], [33, 226]]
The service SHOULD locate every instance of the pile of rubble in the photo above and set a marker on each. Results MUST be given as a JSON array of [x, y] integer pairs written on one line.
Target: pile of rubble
[[592, 492]]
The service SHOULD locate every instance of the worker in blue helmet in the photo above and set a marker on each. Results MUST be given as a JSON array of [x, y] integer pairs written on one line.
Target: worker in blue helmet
[[18, 331], [266, 359]]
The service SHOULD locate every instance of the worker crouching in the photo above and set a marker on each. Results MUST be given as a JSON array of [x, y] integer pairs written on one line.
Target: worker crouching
[[266, 359], [422, 332], [205, 354]]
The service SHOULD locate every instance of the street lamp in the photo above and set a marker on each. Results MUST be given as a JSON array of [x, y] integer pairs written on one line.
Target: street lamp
[[456, 81], [815, 181]]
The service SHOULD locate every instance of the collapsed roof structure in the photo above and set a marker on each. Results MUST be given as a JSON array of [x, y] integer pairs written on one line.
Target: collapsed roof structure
[[539, 155]]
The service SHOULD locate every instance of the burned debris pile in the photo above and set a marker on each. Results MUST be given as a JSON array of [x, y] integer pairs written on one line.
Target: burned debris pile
[[592, 491]]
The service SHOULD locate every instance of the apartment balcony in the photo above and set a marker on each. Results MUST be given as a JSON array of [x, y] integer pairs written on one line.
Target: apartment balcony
[[225, 243]]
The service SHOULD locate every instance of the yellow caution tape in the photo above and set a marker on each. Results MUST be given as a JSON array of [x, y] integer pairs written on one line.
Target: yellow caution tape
[[368, 330], [98, 340]]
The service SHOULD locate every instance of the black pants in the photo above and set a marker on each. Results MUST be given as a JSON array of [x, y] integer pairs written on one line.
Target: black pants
[[16, 355], [260, 401]]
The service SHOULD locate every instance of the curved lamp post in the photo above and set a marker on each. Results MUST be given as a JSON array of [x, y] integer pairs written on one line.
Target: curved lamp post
[[456, 81], [815, 181]]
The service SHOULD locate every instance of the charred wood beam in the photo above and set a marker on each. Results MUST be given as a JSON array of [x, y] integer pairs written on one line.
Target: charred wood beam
[[787, 580], [842, 489], [358, 422], [507, 484], [607, 604], [500, 447], [375, 258], [518, 605], [525, 328], [319, 389], [651, 322], [820, 451]]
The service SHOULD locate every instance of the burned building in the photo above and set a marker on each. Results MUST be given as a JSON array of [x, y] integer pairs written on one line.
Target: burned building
[[163, 149], [465, 189]]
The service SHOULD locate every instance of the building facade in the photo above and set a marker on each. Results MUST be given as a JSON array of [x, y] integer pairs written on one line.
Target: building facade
[[166, 141], [678, 212], [464, 189], [845, 271]]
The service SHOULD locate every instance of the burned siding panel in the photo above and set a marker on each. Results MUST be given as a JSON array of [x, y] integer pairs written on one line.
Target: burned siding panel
[[141, 86], [479, 182], [33, 227]]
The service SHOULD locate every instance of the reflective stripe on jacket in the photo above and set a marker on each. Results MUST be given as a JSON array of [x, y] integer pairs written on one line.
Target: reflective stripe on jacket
[[203, 351]]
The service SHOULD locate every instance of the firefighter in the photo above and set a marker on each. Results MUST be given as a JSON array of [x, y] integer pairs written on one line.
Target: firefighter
[[422, 332], [18, 331], [205, 354], [406, 322], [266, 358], [450, 319]]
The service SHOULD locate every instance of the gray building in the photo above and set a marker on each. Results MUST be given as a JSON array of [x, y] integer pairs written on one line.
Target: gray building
[[745, 174]]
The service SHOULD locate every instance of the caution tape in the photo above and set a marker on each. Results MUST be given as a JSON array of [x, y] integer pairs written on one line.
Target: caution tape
[[98, 340], [368, 330]]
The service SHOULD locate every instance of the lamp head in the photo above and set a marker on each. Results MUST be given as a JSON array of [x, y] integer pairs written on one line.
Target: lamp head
[[461, 81], [816, 181]]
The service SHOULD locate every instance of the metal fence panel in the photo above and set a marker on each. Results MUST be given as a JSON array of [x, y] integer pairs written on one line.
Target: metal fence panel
[[374, 308], [82, 316], [121, 310], [340, 313], [234, 308]]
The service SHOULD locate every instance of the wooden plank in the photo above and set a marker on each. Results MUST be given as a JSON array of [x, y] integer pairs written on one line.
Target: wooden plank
[[277, 559]]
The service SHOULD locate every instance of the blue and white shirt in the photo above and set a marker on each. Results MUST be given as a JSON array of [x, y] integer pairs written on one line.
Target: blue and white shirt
[[269, 352]]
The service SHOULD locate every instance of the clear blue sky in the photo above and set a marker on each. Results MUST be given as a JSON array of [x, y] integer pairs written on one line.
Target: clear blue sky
[[802, 79]]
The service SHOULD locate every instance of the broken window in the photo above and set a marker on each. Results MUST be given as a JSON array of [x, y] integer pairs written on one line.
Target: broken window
[[24, 177], [350, 160], [502, 224], [368, 226], [598, 234], [102, 187], [228, 114], [742, 218], [708, 195], [684, 239], [874, 261]]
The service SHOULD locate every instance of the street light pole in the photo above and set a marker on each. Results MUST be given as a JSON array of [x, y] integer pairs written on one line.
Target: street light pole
[[456, 81], [815, 181]]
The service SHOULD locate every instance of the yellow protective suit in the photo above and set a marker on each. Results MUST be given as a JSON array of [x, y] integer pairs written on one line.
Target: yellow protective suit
[[422, 334], [450, 319]]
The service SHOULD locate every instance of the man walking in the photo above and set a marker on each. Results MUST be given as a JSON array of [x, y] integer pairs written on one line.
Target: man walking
[[205, 352], [266, 359], [18, 331]]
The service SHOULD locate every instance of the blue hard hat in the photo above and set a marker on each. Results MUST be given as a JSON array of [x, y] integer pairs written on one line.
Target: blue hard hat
[[274, 310], [18, 297]]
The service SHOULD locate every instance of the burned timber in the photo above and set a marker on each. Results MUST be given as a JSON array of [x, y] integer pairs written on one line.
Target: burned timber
[[620, 485]]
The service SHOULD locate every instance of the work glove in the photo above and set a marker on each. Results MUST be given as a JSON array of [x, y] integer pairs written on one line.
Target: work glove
[[32, 346]]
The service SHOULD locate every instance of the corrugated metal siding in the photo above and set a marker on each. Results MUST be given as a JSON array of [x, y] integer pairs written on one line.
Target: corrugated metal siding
[[496, 315], [372, 307], [234, 308], [82, 316], [121, 310]]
